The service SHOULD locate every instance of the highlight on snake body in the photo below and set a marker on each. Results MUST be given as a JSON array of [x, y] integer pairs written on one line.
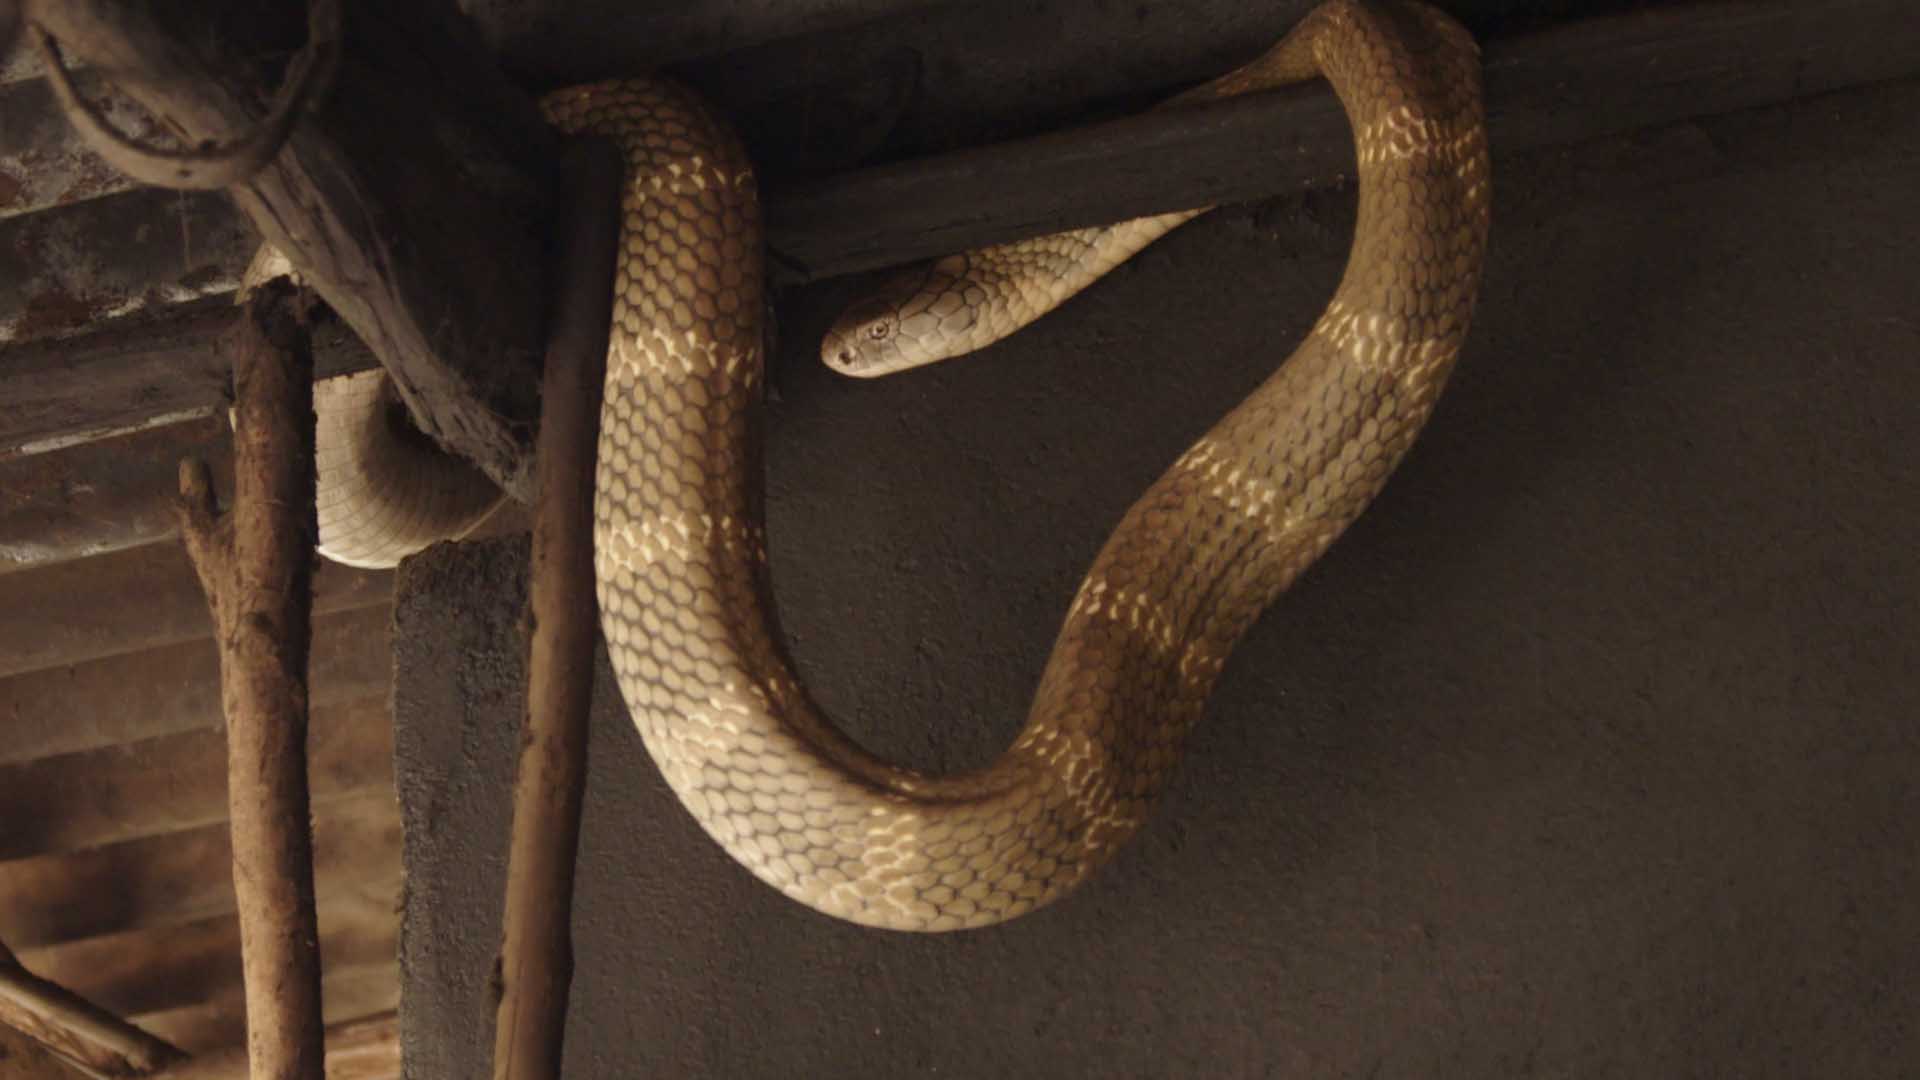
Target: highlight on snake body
[[680, 546]]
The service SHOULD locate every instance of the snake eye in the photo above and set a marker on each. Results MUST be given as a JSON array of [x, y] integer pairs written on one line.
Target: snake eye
[[879, 331]]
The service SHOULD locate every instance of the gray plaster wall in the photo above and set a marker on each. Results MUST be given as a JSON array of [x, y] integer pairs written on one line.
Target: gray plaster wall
[[1590, 751]]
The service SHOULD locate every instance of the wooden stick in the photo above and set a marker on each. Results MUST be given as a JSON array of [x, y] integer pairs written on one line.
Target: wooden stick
[[74, 1029], [536, 953], [256, 565]]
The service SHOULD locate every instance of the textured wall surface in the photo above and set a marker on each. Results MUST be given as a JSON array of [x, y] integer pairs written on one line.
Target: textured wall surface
[[1591, 750]]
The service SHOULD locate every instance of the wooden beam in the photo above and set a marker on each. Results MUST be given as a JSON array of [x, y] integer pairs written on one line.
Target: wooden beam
[[1660, 65], [103, 495], [142, 598], [23, 1058], [75, 1028], [137, 254], [130, 697], [219, 1023], [454, 312], [558, 39], [364, 1049], [162, 968], [1579, 81], [178, 877], [176, 782], [138, 374]]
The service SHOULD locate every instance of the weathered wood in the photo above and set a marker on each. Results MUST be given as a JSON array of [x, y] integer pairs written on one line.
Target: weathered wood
[[162, 968], [136, 374], [75, 1028], [1579, 81], [176, 782], [536, 952], [131, 255], [141, 598], [143, 695], [364, 1049], [454, 312], [102, 496], [179, 877], [560, 39], [255, 559], [42, 164], [22, 1058]]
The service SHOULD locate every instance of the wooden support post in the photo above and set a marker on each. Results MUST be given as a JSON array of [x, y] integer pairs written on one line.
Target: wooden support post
[[74, 1029], [256, 565], [536, 953]]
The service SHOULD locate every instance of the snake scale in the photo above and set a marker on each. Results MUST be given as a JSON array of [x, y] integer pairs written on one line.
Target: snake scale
[[680, 551]]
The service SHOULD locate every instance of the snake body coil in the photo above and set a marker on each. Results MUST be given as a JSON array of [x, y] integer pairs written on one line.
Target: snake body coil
[[680, 549]]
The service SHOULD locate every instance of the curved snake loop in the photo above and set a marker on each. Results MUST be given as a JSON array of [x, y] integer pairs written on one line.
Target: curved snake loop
[[680, 548]]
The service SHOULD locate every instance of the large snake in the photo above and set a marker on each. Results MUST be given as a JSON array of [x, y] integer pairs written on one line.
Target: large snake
[[680, 548]]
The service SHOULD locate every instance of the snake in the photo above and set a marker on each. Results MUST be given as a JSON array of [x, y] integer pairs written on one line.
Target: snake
[[680, 543]]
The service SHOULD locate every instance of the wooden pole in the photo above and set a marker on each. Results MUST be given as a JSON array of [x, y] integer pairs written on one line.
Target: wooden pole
[[73, 1029], [536, 953], [256, 565]]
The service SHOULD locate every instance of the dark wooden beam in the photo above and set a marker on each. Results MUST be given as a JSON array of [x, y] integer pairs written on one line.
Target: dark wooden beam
[[178, 877], [103, 495], [74, 1028], [131, 375], [155, 968], [135, 696], [420, 138], [1583, 80], [364, 1049], [1574, 82], [562, 39], [217, 1024], [142, 598], [177, 782]]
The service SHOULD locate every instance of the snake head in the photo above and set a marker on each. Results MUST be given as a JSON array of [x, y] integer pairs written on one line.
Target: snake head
[[865, 340], [915, 318]]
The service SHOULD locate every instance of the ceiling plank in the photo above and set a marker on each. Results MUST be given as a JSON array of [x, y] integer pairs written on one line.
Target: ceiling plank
[[364, 1049], [175, 782], [142, 598], [130, 697], [157, 969], [178, 877]]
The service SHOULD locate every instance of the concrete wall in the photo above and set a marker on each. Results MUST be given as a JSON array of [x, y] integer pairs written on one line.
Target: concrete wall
[[1589, 751]]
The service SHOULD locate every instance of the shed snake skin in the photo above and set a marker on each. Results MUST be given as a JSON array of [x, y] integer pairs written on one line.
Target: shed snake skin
[[680, 547]]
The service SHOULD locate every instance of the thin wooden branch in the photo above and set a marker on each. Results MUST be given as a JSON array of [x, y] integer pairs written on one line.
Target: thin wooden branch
[[76, 1029], [256, 565], [536, 953], [419, 138]]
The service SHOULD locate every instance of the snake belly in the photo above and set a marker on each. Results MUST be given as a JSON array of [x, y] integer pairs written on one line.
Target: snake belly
[[680, 547]]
